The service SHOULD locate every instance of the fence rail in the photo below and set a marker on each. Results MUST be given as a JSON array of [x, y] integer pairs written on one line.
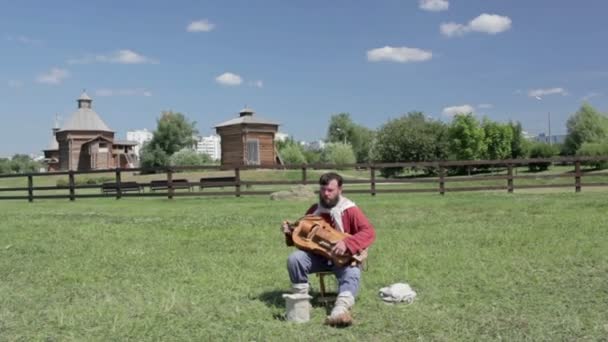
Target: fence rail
[[175, 187]]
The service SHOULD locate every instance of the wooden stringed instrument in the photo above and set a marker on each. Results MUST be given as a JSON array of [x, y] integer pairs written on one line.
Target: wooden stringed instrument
[[312, 233]]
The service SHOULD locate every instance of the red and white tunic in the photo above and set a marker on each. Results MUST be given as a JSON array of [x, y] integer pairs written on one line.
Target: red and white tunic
[[348, 218]]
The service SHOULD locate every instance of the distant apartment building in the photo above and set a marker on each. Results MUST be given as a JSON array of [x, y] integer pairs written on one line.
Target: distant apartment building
[[553, 139], [140, 136], [210, 145]]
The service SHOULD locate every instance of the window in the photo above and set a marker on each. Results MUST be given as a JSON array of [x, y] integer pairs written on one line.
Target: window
[[103, 147], [253, 152]]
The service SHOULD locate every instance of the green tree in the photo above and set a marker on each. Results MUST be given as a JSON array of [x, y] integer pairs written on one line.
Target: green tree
[[467, 138], [343, 129], [498, 139], [188, 157], [594, 150], [5, 166], [312, 156], [542, 150], [338, 153], [173, 133], [152, 156], [22, 163], [411, 137], [519, 145], [586, 126], [292, 154]]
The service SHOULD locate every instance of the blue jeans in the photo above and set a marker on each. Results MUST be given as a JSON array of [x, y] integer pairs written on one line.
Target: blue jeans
[[300, 264]]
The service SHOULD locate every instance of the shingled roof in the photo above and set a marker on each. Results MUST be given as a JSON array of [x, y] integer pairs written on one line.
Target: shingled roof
[[85, 118], [247, 117]]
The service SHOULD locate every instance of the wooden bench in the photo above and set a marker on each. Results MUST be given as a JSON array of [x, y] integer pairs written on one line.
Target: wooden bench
[[112, 187], [210, 182], [163, 184]]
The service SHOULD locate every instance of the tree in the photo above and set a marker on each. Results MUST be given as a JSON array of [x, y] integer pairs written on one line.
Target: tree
[[541, 150], [594, 150], [188, 157], [586, 126], [5, 166], [343, 129], [22, 163], [338, 153], [152, 156], [292, 154], [498, 139], [412, 137], [173, 133], [519, 145], [467, 138]]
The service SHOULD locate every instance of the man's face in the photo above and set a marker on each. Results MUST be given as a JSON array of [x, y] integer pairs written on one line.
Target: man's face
[[329, 194]]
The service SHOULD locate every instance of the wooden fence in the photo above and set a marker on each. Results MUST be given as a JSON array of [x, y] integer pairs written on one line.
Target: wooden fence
[[170, 184]]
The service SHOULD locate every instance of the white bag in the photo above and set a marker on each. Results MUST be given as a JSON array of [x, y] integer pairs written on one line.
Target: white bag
[[397, 293]]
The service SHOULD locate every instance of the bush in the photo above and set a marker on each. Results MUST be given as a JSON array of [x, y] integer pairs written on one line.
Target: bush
[[541, 150], [594, 150], [338, 153], [85, 181], [188, 157], [292, 154]]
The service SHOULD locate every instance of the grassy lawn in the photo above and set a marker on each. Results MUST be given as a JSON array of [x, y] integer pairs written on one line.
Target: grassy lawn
[[486, 266]]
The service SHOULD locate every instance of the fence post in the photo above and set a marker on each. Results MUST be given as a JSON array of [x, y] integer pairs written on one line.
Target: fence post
[[510, 178], [441, 180], [304, 180], [30, 190], [372, 171], [237, 184], [577, 176], [71, 185], [170, 183], [118, 186]]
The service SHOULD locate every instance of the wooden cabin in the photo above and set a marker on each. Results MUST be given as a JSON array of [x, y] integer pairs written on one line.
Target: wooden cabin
[[85, 142], [248, 140]]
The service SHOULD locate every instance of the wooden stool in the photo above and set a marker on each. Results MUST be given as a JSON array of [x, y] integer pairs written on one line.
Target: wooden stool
[[324, 296]]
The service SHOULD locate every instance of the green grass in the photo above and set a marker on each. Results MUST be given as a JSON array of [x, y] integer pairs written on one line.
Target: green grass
[[486, 266]]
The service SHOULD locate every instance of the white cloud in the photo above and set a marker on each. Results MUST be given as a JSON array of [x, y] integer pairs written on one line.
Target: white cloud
[[229, 79], [463, 109], [200, 26], [490, 23], [54, 76], [484, 23], [23, 40], [539, 93], [124, 56], [590, 96], [123, 92], [398, 54], [485, 106], [453, 29], [257, 84], [434, 5], [15, 83]]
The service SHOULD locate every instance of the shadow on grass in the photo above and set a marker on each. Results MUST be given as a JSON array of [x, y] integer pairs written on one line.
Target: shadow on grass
[[274, 299]]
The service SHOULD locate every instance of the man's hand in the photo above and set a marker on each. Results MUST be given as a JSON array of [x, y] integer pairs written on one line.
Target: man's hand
[[339, 248], [286, 228]]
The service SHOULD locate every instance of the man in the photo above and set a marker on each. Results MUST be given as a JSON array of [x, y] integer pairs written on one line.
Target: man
[[343, 215]]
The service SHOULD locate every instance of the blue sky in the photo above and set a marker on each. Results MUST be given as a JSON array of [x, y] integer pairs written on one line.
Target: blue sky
[[297, 62]]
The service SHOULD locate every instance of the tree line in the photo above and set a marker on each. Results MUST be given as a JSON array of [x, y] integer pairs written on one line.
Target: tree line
[[416, 137]]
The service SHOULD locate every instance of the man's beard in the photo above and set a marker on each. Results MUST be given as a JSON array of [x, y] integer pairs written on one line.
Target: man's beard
[[328, 203]]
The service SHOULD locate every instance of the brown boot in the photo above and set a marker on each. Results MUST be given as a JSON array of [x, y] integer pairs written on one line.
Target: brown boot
[[339, 321], [340, 314]]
